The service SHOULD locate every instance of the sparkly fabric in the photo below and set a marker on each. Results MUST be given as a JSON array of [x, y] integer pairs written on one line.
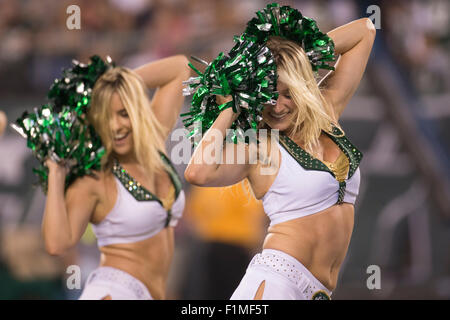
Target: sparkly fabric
[[109, 281], [137, 213], [131, 221], [339, 169], [302, 190], [169, 199], [354, 155], [140, 193], [285, 278], [308, 162]]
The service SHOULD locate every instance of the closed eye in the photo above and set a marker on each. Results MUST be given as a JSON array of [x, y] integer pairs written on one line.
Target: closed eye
[[285, 93]]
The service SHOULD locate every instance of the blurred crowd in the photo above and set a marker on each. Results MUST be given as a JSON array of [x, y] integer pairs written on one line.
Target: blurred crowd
[[36, 44], [418, 34], [36, 41]]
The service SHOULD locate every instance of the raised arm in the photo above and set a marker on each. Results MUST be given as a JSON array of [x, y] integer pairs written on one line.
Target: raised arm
[[166, 76], [353, 41], [66, 216], [203, 170]]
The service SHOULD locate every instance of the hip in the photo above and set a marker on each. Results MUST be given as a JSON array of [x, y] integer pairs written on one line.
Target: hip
[[283, 277], [320, 241], [115, 284]]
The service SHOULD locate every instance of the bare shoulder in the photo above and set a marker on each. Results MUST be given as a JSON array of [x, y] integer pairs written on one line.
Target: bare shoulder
[[263, 174], [268, 151], [89, 184]]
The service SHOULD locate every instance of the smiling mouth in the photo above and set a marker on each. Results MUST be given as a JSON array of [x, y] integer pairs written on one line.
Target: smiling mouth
[[278, 116], [119, 138]]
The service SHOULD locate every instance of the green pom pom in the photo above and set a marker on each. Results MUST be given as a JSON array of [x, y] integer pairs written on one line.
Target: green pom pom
[[247, 73], [59, 129], [290, 24]]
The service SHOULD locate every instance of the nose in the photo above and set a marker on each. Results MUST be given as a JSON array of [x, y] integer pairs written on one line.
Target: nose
[[278, 107], [114, 124]]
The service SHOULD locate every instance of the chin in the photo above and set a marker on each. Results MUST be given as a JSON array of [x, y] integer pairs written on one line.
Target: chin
[[122, 151], [283, 126]]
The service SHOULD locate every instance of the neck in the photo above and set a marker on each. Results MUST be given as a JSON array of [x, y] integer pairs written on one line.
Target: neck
[[129, 158], [294, 136]]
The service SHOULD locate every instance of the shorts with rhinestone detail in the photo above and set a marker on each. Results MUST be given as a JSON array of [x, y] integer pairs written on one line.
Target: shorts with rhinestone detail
[[285, 279], [118, 284]]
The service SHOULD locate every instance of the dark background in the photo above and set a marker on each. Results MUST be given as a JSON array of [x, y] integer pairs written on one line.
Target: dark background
[[399, 118]]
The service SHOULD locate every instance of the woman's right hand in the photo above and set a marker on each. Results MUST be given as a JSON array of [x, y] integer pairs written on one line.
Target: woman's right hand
[[56, 169], [222, 100], [57, 173]]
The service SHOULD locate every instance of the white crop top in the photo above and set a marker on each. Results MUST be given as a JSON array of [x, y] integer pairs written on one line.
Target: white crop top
[[304, 185], [137, 214]]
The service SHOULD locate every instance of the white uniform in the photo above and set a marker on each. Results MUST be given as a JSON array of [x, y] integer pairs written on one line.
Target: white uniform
[[297, 191]]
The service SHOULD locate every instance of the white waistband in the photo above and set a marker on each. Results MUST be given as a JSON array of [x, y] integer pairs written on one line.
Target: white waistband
[[120, 277], [289, 267]]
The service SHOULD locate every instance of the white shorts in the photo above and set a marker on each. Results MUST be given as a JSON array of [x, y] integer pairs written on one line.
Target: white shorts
[[118, 284], [285, 279]]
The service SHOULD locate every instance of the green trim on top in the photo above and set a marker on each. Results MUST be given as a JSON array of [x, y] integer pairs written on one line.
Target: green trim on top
[[138, 191], [353, 154], [173, 174], [308, 162]]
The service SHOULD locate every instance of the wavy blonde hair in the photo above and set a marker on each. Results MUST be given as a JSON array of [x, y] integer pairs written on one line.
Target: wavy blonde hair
[[313, 113], [147, 131]]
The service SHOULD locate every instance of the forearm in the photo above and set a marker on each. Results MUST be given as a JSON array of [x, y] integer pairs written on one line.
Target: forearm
[[161, 72], [349, 35], [55, 224], [200, 166]]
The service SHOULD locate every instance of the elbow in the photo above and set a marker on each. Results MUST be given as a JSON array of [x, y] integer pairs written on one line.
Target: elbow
[[183, 59], [185, 70], [53, 250], [370, 27], [195, 177]]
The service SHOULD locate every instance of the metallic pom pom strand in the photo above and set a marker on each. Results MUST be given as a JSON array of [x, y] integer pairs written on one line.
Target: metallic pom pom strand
[[59, 130], [289, 23], [246, 73]]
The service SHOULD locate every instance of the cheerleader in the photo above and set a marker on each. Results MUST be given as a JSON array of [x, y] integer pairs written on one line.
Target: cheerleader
[[309, 196], [135, 200]]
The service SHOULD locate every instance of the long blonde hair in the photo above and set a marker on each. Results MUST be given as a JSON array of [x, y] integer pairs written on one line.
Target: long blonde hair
[[147, 131], [313, 113]]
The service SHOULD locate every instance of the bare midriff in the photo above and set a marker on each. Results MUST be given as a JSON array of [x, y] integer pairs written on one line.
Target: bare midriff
[[318, 241], [147, 260]]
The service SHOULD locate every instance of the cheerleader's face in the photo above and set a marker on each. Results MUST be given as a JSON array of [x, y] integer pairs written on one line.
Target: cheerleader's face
[[120, 124], [280, 115]]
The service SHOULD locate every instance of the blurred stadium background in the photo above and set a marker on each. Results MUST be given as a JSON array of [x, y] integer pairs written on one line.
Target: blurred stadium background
[[399, 117]]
